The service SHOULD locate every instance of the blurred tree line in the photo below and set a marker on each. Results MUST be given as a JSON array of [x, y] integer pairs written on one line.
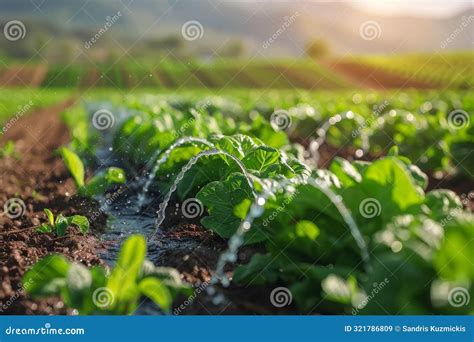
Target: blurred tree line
[[49, 43]]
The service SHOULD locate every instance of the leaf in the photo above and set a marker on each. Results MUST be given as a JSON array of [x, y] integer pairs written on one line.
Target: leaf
[[47, 277], [157, 292], [221, 198], [50, 216], [261, 158], [442, 202], [115, 175], [338, 289], [122, 281], [388, 188], [44, 228], [78, 284], [345, 171], [81, 222], [103, 181], [307, 230], [260, 270], [61, 225], [74, 165], [454, 257], [393, 151]]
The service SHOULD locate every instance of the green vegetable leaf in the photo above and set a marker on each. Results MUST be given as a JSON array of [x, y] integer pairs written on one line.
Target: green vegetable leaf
[[122, 281], [50, 216], [157, 292], [102, 181], [345, 171], [45, 228], [78, 284], [61, 225], [261, 158], [47, 277], [81, 222], [74, 165], [221, 198]]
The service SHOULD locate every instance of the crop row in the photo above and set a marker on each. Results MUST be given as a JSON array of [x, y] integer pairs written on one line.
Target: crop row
[[357, 237], [230, 74], [450, 70]]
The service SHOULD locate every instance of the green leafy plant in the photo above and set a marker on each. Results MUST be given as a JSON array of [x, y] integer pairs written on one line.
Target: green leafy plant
[[96, 291], [402, 225], [418, 241], [97, 184], [61, 223]]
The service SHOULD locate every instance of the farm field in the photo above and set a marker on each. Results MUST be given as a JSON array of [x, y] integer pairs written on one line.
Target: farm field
[[267, 170], [18, 102], [339, 202], [422, 71]]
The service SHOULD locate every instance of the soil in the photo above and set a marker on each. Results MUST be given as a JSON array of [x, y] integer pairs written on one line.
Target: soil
[[38, 179], [23, 76], [366, 76]]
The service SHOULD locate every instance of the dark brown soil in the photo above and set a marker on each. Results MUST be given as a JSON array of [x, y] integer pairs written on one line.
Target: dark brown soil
[[39, 180]]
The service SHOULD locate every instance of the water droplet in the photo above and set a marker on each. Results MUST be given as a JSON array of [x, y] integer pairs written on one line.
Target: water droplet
[[246, 225], [396, 246]]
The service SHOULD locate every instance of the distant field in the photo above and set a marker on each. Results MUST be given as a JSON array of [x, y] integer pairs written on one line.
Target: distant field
[[419, 71], [232, 74], [17, 102], [449, 70]]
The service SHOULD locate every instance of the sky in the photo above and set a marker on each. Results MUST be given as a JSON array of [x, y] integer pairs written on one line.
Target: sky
[[416, 7]]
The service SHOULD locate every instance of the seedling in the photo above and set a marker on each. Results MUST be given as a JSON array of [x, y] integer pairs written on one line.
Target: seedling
[[97, 184], [9, 150], [60, 224], [94, 291]]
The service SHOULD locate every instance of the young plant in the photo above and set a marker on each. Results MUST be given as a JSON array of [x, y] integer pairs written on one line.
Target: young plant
[[61, 223], [9, 150], [97, 184], [95, 291]]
